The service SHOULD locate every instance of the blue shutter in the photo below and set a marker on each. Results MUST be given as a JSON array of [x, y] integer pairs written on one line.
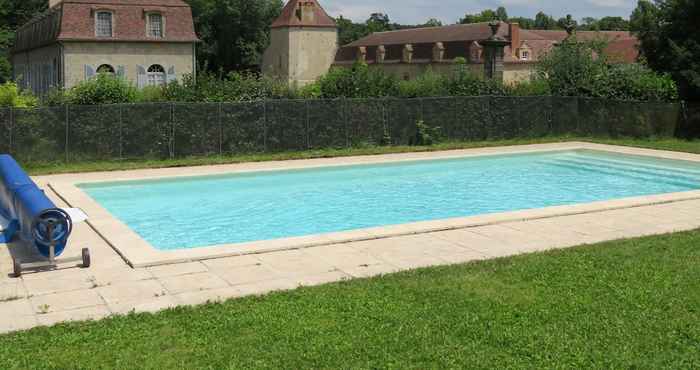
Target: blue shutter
[[89, 71], [121, 72], [171, 74], [141, 78]]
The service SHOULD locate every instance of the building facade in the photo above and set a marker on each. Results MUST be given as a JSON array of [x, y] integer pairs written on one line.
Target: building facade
[[146, 42], [408, 53], [303, 43]]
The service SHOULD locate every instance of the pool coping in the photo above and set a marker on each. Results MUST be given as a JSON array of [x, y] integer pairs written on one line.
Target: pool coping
[[138, 253]]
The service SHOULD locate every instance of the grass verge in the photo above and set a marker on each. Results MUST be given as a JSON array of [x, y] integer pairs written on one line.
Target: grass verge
[[47, 168], [622, 304]]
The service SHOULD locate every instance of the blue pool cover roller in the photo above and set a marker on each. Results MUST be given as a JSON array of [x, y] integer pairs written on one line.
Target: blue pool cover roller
[[21, 201]]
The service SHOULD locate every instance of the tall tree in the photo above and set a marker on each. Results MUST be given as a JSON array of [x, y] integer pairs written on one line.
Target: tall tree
[[544, 22], [235, 33], [670, 40], [502, 14], [485, 16], [13, 14]]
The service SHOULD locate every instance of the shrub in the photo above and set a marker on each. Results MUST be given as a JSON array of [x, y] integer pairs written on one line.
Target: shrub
[[535, 87], [425, 85], [151, 94], [581, 69], [636, 82], [465, 83], [425, 135], [12, 96], [103, 89], [236, 86], [360, 81]]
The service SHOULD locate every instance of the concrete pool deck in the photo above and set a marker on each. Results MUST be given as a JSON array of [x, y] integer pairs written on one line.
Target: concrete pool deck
[[111, 286]]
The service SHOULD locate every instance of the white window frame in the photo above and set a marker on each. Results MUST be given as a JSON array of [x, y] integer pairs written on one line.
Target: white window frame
[[162, 25], [113, 72], [111, 23], [525, 54], [156, 78]]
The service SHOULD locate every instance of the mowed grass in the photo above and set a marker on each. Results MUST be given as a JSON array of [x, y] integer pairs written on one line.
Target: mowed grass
[[47, 168], [622, 304]]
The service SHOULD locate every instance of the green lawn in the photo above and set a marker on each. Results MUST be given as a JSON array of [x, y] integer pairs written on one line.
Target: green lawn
[[623, 304], [91, 166]]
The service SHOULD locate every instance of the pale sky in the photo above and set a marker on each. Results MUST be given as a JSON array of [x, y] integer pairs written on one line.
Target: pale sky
[[449, 11]]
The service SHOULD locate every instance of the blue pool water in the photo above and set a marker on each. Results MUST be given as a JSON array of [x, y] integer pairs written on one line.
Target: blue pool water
[[203, 211]]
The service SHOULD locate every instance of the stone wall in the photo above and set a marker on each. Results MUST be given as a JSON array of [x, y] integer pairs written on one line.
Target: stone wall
[[300, 55], [39, 69], [81, 58], [513, 72]]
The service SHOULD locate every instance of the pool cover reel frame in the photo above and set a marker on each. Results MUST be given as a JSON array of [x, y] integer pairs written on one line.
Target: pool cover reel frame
[[44, 231], [41, 224]]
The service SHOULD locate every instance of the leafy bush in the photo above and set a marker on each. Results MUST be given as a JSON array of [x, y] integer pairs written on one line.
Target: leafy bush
[[636, 82], [235, 86], [102, 89], [425, 135], [151, 94], [581, 69], [465, 83], [425, 85], [360, 81], [12, 96], [536, 87]]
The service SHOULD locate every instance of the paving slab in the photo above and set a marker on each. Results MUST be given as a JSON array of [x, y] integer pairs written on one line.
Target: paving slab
[[192, 282]]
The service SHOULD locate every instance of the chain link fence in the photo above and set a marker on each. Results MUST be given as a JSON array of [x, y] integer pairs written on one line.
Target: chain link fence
[[172, 130]]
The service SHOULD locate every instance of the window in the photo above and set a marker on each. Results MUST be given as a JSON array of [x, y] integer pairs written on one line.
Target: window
[[155, 25], [156, 75], [524, 55], [105, 68], [103, 24]]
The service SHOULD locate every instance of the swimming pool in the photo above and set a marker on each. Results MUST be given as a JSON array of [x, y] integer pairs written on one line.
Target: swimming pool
[[184, 213]]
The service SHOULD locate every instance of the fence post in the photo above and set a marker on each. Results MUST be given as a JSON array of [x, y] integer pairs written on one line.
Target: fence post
[[67, 131], [11, 128], [121, 132], [221, 129], [265, 125], [308, 128], [171, 145], [346, 126]]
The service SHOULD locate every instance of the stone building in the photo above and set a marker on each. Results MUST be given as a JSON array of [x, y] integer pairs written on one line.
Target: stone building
[[303, 43], [147, 42], [410, 52]]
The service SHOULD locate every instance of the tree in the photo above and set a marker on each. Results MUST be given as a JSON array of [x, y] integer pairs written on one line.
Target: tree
[[502, 14], [235, 33], [13, 14], [432, 22], [613, 24], [485, 16], [378, 22], [669, 35], [525, 23], [544, 22]]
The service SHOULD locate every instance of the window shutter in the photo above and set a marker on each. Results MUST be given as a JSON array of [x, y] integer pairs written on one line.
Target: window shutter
[[171, 74], [121, 72], [89, 71], [141, 78]]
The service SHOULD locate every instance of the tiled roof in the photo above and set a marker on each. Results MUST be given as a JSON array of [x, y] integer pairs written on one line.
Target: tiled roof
[[622, 46], [456, 32], [293, 15], [131, 2], [74, 20]]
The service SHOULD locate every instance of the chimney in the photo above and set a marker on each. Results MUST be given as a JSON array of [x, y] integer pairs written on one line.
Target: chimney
[[514, 30], [53, 3], [306, 11]]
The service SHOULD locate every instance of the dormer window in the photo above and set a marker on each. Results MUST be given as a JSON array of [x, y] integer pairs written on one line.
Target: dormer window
[[103, 24], [155, 25]]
